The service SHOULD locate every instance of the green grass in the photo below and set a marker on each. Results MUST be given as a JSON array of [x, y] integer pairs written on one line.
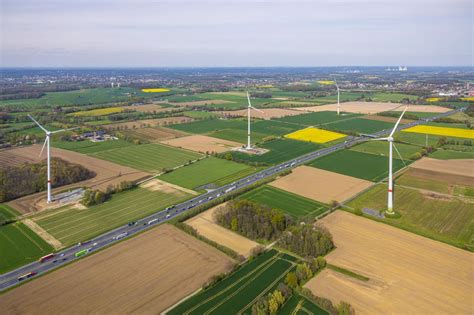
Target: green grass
[[348, 272], [89, 147], [19, 246], [280, 150], [357, 164], [292, 204], [391, 97], [7, 212], [239, 291], [273, 127], [446, 220], [237, 135], [359, 125], [206, 171], [315, 119], [420, 139], [70, 225], [199, 114], [441, 154], [382, 148], [412, 181], [152, 157]]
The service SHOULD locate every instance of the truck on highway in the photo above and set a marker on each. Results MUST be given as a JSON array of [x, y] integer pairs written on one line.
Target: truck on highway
[[122, 235], [46, 257], [27, 275], [152, 221], [230, 189]]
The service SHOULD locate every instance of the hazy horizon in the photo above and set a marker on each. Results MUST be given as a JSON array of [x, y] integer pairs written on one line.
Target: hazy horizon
[[228, 34]]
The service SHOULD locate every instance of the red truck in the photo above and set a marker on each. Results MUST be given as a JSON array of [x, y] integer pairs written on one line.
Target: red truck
[[47, 257]]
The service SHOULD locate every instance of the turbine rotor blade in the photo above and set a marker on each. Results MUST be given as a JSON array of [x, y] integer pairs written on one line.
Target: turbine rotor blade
[[44, 144], [398, 121], [56, 131], [399, 155], [38, 124], [258, 110], [378, 139], [248, 99]]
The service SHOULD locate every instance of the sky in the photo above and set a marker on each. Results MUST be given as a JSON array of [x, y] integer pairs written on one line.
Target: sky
[[228, 33]]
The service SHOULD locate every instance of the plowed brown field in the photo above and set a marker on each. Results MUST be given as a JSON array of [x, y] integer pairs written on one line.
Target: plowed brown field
[[375, 107], [108, 173], [155, 134], [202, 103], [409, 274], [206, 226], [459, 171], [203, 144], [148, 123], [144, 275], [321, 185]]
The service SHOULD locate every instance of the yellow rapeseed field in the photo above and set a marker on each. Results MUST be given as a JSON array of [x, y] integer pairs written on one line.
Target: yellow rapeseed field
[[312, 134], [469, 99], [326, 82], [99, 111], [433, 99], [156, 90], [442, 131]]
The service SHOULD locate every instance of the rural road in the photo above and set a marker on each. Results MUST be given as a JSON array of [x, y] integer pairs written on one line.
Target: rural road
[[65, 256]]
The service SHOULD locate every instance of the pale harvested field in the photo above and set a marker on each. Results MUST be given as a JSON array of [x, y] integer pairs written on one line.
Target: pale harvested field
[[206, 226], [321, 185], [203, 144], [355, 107], [158, 122], [156, 134], [236, 93], [268, 113], [159, 185], [202, 103], [425, 109], [386, 119], [108, 173], [150, 108], [409, 274], [459, 171], [144, 275]]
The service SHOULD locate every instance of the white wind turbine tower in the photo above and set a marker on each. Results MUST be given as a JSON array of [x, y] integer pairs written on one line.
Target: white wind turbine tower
[[48, 152], [249, 146], [338, 105], [390, 172]]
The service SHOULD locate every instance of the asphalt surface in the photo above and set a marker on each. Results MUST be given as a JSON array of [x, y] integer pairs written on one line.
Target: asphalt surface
[[67, 255]]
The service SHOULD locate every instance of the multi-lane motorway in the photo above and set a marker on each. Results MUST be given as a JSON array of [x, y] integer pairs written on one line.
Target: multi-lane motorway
[[65, 256]]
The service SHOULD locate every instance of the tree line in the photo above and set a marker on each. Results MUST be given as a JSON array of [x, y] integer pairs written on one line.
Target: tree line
[[29, 178]]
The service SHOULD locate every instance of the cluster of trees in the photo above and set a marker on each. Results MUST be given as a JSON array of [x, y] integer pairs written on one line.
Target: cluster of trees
[[470, 111], [261, 95], [95, 197], [29, 178], [307, 240], [304, 271], [343, 308], [423, 152], [252, 220], [271, 303]]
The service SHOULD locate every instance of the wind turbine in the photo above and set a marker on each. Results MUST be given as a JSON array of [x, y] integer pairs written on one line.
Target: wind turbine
[[249, 146], [390, 172], [338, 105], [48, 152]]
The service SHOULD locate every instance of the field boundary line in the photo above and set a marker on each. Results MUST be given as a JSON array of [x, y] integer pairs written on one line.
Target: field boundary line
[[292, 264], [51, 240]]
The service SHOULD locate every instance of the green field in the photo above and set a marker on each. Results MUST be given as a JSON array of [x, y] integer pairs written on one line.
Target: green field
[[299, 305], [449, 154], [273, 127], [199, 114], [357, 164], [210, 125], [447, 220], [237, 135], [19, 246], [315, 119], [89, 147], [292, 204], [359, 125], [79, 97], [7, 212], [151, 157], [391, 97], [70, 225], [207, 171], [382, 148], [280, 150], [237, 293]]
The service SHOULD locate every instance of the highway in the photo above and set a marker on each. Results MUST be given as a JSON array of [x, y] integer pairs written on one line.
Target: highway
[[67, 255]]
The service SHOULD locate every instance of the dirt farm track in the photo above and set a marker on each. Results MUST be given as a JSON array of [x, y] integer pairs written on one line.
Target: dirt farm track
[[144, 275], [409, 274]]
